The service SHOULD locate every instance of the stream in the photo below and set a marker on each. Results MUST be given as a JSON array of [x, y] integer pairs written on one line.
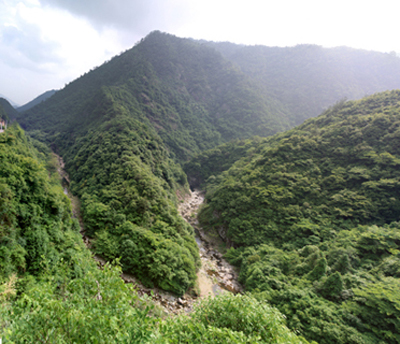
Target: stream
[[215, 276]]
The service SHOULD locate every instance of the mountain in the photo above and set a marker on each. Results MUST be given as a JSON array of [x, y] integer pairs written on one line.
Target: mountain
[[122, 130], [188, 94], [36, 101], [14, 105], [308, 215], [7, 112], [311, 216], [309, 78], [125, 128]]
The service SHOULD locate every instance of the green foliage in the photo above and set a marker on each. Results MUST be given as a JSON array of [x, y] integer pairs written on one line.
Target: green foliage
[[311, 215], [122, 173], [7, 112], [52, 291], [378, 306], [35, 215], [329, 174], [121, 130], [95, 308], [332, 286], [99, 308], [233, 319], [213, 162]]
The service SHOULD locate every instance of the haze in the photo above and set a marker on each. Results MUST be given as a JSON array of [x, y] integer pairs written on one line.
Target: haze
[[48, 43]]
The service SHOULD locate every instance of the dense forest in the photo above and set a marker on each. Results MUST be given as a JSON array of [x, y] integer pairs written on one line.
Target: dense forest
[[7, 112], [308, 215]]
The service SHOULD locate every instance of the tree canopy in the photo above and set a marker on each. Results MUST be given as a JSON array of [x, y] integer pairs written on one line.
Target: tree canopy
[[311, 217]]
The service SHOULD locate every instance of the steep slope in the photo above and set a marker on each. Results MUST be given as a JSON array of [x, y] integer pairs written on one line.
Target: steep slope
[[36, 101], [186, 92], [340, 166], [309, 78], [14, 105], [312, 214], [35, 217], [212, 162]]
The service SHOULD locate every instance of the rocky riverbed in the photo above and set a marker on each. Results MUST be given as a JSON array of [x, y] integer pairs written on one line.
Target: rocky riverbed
[[216, 275]]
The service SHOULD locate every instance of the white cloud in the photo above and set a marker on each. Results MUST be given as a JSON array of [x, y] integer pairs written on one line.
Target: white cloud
[[46, 43], [42, 48]]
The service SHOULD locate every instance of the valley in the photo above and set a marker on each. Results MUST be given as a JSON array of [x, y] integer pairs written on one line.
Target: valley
[[214, 277], [228, 194]]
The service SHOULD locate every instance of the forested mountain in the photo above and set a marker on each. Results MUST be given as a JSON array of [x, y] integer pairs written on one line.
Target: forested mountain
[[184, 92], [7, 112], [123, 127], [52, 291], [14, 105], [309, 78], [36, 101], [311, 216]]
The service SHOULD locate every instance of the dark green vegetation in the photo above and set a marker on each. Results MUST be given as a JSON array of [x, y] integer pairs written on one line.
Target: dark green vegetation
[[184, 93], [51, 290], [312, 217], [36, 101], [7, 112], [217, 160], [307, 79]]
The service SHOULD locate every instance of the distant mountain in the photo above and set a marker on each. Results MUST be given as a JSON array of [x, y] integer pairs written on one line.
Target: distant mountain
[[15, 105], [310, 78], [36, 101], [7, 111]]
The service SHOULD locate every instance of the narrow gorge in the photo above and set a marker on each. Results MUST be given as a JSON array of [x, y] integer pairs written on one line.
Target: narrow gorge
[[216, 275]]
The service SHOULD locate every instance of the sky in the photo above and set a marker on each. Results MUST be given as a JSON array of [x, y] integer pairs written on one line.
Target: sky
[[45, 44]]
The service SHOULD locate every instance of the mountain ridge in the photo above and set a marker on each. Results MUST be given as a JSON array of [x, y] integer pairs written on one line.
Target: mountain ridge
[[40, 98]]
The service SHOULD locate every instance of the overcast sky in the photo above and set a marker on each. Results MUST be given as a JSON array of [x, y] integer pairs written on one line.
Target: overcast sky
[[45, 44]]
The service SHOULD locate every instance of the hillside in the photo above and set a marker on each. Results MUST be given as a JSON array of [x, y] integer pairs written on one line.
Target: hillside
[[184, 92], [311, 217], [308, 79], [13, 104], [7, 112], [36, 101]]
